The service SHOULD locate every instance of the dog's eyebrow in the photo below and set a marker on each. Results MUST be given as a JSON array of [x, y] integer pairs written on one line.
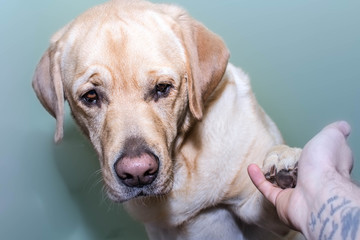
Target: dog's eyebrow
[[92, 70], [165, 72]]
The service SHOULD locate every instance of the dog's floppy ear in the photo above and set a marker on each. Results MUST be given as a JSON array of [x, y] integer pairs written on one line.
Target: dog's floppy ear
[[207, 61], [48, 87]]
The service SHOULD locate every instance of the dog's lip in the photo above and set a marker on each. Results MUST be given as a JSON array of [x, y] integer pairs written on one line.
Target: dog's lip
[[141, 194], [135, 193]]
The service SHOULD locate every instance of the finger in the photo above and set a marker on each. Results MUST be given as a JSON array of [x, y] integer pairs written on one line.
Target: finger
[[265, 187], [344, 161]]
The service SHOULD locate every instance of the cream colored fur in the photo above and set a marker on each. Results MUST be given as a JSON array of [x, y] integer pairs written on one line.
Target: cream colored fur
[[205, 132]]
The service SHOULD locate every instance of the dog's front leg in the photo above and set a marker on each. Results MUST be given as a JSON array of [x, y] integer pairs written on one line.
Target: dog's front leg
[[279, 167]]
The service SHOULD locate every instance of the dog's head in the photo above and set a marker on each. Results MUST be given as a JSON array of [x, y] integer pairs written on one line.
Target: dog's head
[[135, 74]]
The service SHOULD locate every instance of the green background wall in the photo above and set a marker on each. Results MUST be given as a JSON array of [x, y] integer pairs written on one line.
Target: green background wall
[[303, 58]]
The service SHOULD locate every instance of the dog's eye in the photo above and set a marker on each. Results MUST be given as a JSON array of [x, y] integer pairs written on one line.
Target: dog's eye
[[91, 97], [162, 90]]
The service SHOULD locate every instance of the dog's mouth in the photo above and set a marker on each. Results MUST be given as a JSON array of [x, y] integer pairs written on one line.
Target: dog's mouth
[[127, 193]]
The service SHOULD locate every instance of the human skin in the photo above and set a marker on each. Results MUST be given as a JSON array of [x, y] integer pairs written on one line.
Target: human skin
[[325, 204]]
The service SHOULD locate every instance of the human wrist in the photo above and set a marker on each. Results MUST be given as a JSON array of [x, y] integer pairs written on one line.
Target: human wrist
[[334, 212]]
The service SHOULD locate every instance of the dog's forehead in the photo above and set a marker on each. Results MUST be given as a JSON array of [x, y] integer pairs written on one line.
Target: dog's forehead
[[135, 41]]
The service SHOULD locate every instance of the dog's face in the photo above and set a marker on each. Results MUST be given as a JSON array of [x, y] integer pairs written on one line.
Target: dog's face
[[135, 75]]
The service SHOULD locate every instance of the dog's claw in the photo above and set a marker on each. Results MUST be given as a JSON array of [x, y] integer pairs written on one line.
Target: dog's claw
[[285, 178]]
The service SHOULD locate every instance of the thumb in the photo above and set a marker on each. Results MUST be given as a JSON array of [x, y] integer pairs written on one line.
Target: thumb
[[265, 187]]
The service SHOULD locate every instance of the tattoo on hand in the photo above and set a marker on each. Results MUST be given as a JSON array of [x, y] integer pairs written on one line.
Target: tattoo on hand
[[336, 219]]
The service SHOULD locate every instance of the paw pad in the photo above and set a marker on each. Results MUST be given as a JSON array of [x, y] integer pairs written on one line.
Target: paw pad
[[285, 178]]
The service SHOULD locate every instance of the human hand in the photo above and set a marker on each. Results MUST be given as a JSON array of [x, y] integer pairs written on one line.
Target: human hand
[[325, 163]]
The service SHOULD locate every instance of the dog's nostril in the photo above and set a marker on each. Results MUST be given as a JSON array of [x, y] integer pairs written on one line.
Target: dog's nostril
[[137, 171], [126, 176], [148, 173]]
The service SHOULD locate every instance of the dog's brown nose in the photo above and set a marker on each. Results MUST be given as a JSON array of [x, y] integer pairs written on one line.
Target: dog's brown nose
[[137, 171]]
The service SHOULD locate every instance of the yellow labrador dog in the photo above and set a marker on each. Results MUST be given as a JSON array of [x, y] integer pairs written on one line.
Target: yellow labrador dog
[[174, 124]]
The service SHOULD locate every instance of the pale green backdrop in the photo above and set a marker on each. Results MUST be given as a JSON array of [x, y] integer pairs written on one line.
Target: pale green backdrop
[[303, 58]]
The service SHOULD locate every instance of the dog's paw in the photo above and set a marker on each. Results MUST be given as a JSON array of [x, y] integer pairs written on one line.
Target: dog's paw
[[280, 166]]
